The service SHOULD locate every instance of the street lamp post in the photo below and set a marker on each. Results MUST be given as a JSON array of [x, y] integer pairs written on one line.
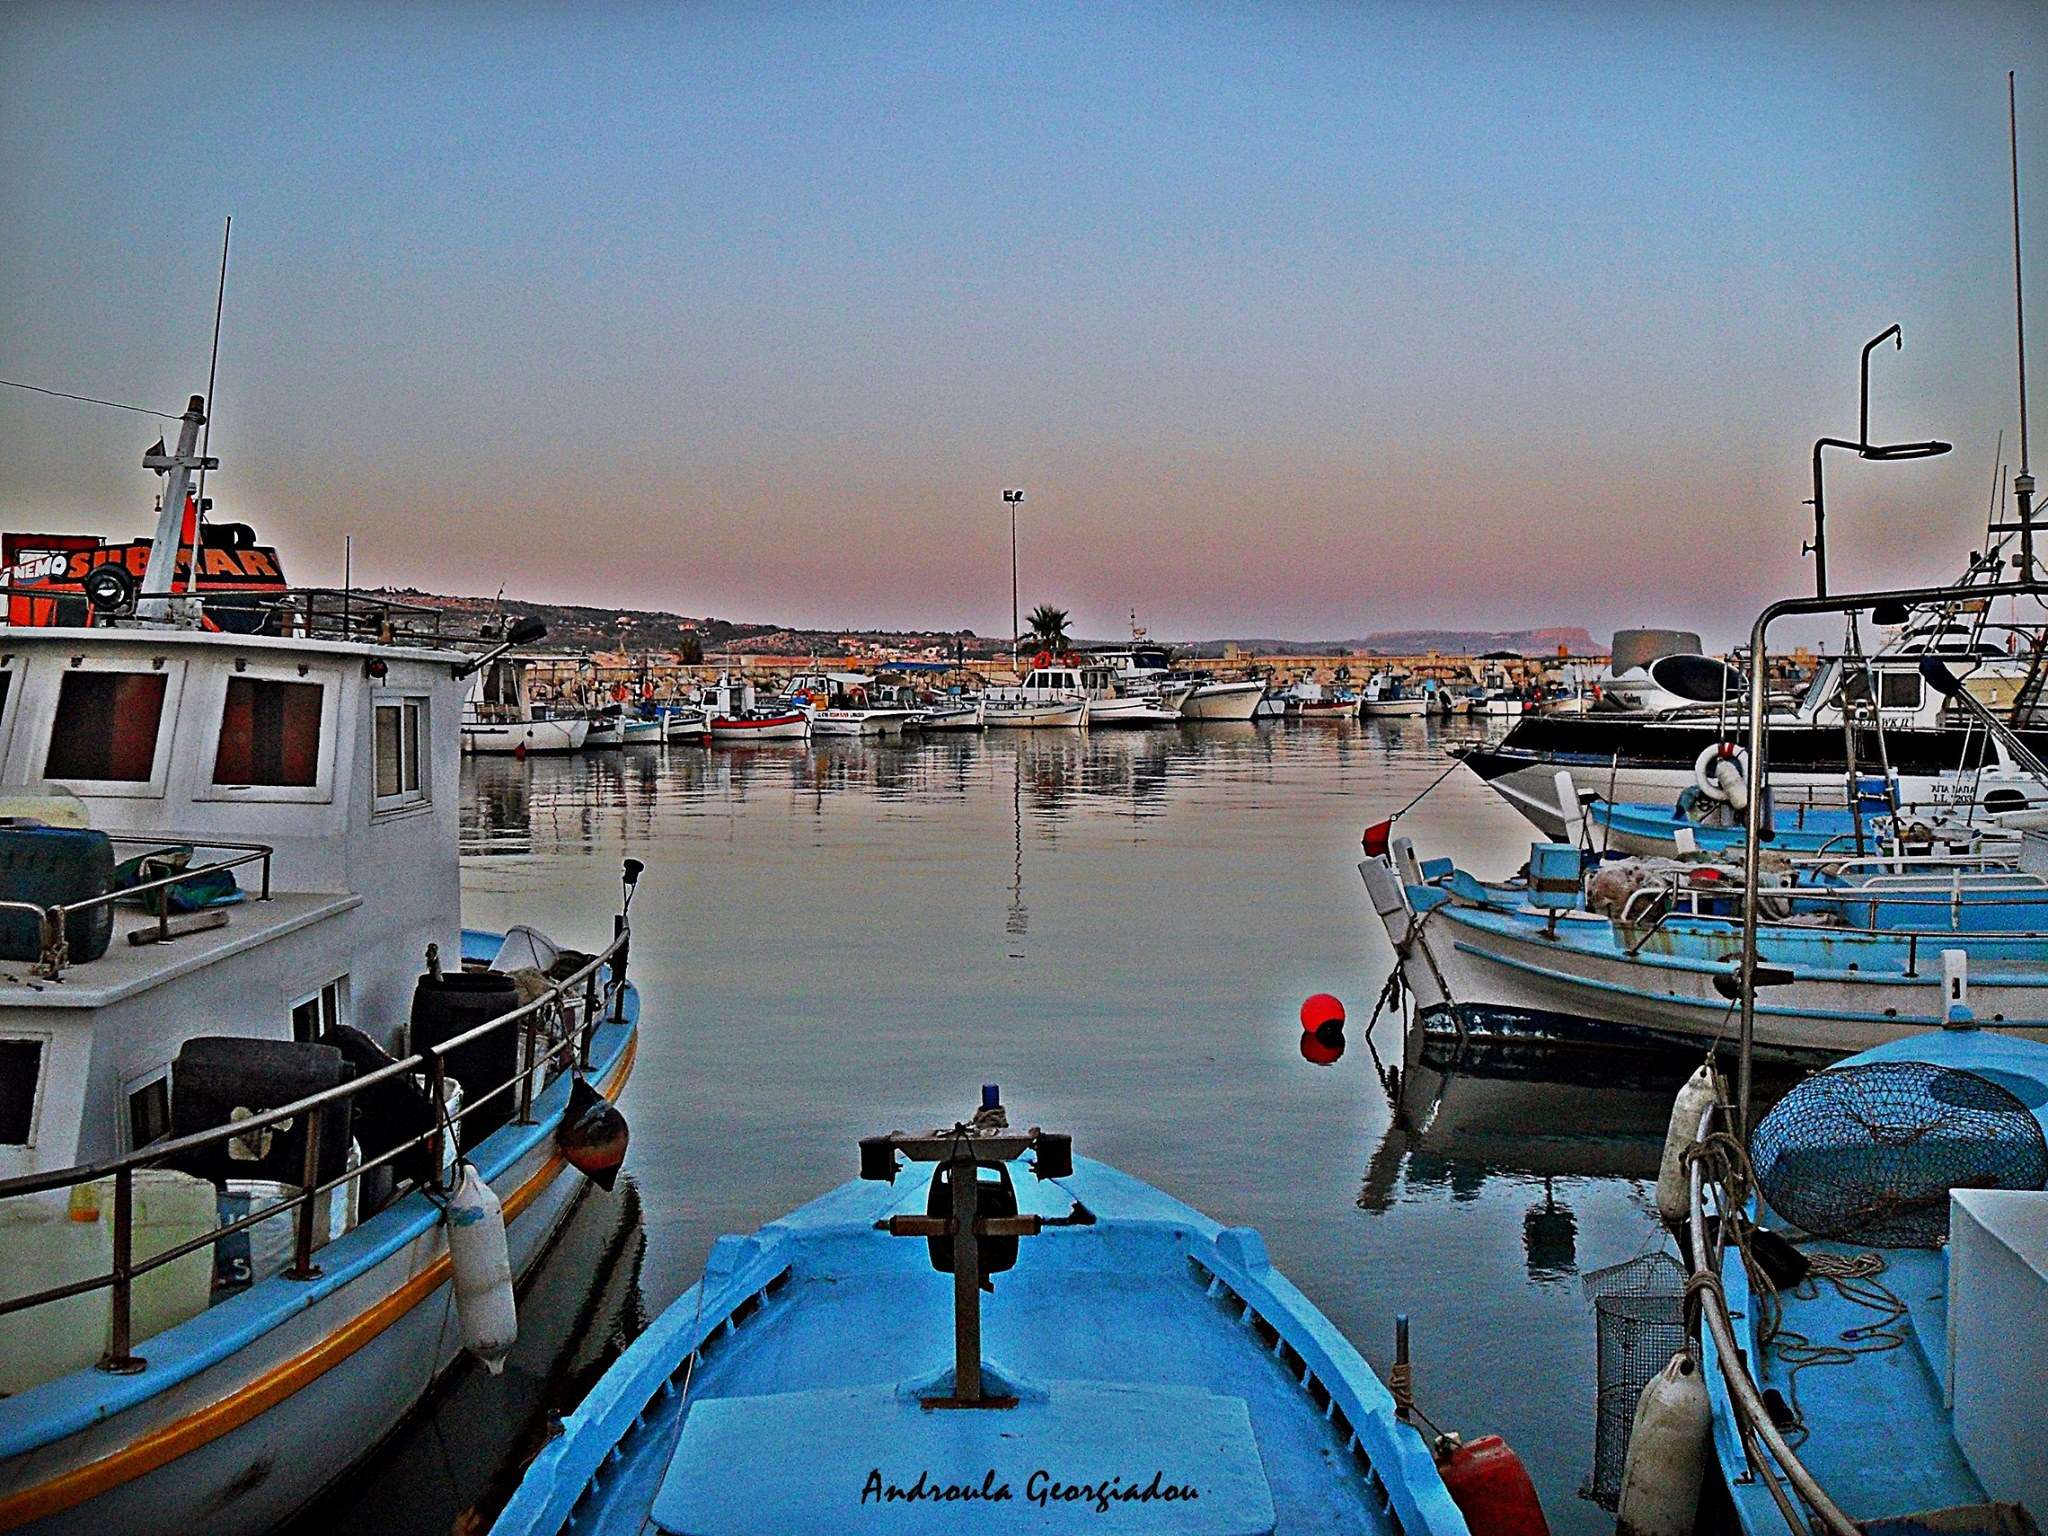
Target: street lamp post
[[1014, 499]]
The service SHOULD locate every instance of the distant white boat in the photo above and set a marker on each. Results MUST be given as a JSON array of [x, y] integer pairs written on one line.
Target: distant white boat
[[498, 717], [1213, 700], [636, 732], [846, 704], [1026, 715], [685, 722]]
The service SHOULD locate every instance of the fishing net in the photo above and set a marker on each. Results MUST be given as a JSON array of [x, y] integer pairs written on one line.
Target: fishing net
[[1639, 1315], [1868, 1154]]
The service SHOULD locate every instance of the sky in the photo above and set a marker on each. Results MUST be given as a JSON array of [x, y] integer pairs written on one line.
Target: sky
[[1294, 320]]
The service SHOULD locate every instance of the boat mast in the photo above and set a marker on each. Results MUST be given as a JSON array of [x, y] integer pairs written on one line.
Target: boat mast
[[156, 606], [2023, 482]]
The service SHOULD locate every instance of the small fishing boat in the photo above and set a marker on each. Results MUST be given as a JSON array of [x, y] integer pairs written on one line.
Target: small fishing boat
[[1858, 952], [846, 704], [1387, 696], [763, 725], [499, 718], [950, 712], [642, 731], [604, 730], [1010, 714], [1027, 1342], [1053, 696], [1882, 1293], [1309, 700], [686, 723]]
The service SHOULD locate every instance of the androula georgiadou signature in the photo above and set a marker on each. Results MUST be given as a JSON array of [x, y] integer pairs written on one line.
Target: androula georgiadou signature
[[1040, 1488]]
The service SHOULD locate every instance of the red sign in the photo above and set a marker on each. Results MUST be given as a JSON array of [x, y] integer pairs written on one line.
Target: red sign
[[46, 571]]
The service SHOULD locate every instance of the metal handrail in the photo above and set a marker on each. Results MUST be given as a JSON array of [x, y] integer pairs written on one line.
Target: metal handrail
[[432, 1061], [1748, 1402], [52, 918]]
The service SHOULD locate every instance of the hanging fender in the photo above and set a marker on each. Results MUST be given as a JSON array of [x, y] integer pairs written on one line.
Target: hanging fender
[[1722, 773]]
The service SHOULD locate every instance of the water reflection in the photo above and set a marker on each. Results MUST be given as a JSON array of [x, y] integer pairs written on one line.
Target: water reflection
[[453, 1464]]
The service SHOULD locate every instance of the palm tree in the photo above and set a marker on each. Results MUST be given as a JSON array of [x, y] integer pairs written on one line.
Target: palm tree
[[1048, 628]]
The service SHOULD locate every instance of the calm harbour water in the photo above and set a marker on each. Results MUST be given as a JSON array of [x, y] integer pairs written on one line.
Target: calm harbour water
[[843, 938]]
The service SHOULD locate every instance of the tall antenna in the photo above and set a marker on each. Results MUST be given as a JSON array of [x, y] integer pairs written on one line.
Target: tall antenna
[[2023, 482], [206, 438]]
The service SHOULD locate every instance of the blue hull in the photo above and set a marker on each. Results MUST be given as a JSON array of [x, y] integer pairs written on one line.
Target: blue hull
[[1168, 1379]]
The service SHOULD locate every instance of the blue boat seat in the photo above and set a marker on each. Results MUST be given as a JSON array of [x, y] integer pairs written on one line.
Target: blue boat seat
[[1068, 1453]]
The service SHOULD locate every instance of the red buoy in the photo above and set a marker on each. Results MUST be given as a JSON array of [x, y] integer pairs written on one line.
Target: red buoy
[[1319, 1050], [1488, 1482], [1319, 1010]]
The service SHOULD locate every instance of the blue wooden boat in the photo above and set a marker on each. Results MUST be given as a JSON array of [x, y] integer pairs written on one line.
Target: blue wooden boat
[[1848, 962], [1903, 1375], [1140, 1369]]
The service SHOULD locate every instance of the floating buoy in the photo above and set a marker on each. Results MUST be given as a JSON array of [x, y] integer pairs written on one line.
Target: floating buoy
[[1491, 1488], [592, 1135], [483, 1270], [1674, 1186], [1321, 1009], [1667, 1453]]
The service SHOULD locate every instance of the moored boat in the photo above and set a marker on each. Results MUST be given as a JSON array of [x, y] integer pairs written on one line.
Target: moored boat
[[498, 717], [237, 1114], [1220, 699], [766, 725], [1137, 1367]]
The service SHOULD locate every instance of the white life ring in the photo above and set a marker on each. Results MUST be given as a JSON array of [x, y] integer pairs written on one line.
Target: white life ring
[[1706, 774]]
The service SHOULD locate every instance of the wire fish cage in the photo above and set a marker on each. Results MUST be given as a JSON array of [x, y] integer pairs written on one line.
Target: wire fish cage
[[1868, 1154], [1639, 1319]]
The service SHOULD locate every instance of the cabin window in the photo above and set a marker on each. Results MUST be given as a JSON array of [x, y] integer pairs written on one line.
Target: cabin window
[[106, 726], [1898, 690], [269, 734], [21, 1071], [314, 1017], [149, 1111], [401, 771]]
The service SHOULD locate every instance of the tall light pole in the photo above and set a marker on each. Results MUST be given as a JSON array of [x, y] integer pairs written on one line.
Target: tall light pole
[[1014, 499]]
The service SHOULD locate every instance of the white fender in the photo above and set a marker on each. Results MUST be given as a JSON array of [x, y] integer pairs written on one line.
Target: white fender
[[1667, 1453], [1674, 1187], [1955, 989], [1389, 900], [483, 1270]]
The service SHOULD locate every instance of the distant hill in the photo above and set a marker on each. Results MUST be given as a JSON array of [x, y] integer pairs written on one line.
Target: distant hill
[[1476, 642]]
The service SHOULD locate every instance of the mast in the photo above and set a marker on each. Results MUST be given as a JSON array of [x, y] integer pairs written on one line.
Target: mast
[[155, 606], [2023, 482]]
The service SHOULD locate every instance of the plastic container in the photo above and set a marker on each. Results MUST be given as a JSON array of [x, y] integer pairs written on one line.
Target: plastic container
[[170, 1208], [51, 865], [41, 1245]]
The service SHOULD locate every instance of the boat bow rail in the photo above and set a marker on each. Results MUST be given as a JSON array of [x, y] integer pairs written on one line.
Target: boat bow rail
[[556, 1029]]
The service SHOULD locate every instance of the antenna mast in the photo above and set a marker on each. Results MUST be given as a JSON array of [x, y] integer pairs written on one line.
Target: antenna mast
[[2023, 482], [206, 433]]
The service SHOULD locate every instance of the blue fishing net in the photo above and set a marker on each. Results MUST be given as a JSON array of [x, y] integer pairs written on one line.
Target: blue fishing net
[[1868, 1154]]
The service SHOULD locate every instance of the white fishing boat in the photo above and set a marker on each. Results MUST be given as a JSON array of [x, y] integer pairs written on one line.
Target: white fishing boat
[[498, 716], [1051, 697], [236, 1249], [1214, 699], [686, 723], [847, 704], [1388, 696], [951, 712], [641, 731]]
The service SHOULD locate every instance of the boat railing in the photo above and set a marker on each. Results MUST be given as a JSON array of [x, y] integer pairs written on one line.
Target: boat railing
[[1758, 1432], [1947, 891], [52, 920], [556, 1030]]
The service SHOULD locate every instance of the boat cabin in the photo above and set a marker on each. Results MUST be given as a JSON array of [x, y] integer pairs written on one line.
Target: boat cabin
[[308, 789]]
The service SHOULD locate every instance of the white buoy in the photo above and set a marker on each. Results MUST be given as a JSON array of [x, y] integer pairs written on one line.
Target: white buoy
[[1667, 1453], [1674, 1187], [483, 1270]]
